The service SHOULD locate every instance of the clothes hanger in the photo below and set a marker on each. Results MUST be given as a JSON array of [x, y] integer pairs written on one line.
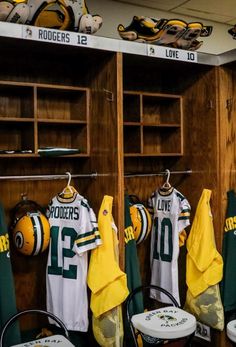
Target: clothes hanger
[[166, 187], [69, 190]]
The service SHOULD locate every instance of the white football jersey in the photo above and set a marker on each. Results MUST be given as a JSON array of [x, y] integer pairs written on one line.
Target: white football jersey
[[74, 231], [171, 213]]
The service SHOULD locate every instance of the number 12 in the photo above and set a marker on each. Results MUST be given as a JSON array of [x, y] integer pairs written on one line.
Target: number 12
[[63, 253]]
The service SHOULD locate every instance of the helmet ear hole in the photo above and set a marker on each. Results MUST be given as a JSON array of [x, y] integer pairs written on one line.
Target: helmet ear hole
[[30, 228]]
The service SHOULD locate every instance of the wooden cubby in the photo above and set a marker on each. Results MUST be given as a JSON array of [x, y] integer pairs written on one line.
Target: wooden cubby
[[16, 101], [20, 138], [60, 103], [129, 114], [152, 124], [43, 116]]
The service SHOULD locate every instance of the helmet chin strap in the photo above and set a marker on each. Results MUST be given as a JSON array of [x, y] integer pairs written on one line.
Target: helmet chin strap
[[22, 207]]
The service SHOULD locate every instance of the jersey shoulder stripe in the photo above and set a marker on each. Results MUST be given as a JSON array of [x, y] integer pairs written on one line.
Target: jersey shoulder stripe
[[179, 195], [85, 204]]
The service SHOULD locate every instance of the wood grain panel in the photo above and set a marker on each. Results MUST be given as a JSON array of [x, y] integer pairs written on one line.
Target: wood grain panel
[[227, 131], [106, 134], [208, 105], [70, 67], [227, 110], [105, 155], [200, 154]]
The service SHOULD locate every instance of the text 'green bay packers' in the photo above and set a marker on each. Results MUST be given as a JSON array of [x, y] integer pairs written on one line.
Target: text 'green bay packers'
[[64, 212]]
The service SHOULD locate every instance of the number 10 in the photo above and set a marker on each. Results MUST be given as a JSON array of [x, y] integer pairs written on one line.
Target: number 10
[[163, 243]]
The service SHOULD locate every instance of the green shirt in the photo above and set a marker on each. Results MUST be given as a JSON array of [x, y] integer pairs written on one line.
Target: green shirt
[[228, 284], [132, 270], [7, 289]]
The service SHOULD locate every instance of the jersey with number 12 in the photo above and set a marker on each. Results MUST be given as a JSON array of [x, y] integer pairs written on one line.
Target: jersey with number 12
[[171, 213], [74, 232]]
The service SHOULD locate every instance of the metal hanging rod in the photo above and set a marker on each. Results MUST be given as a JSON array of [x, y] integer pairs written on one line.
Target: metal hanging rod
[[90, 175], [161, 173], [47, 177]]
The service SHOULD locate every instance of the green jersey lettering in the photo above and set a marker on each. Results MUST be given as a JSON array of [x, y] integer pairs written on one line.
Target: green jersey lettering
[[165, 239], [54, 268]]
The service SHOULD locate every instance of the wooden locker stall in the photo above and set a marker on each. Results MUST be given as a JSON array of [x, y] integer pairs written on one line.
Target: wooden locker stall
[[132, 116], [64, 97], [195, 84], [226, 90], [227, 112], [188, 143]]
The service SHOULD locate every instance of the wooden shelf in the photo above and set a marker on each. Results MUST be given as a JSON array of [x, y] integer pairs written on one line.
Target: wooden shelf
[[16, 101], [34, 115], [166, 125], [61, 121], [14, 119], [66, 104], [127, 155], [152, 124]]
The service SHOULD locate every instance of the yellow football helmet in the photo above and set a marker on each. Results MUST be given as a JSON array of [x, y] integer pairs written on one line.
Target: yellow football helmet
[[53, 14], [30, 228], [31, 233], [141, 220]]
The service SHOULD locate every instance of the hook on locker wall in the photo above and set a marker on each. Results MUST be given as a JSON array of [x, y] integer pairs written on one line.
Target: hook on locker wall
[[229, 104], [168, 176], [109, 95], [69, 178]]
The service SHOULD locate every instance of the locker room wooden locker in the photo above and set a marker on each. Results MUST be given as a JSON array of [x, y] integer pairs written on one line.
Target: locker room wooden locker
[[120, 136]]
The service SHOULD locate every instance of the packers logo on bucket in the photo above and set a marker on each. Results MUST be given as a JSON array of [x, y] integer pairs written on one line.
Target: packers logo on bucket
[[141, 220]]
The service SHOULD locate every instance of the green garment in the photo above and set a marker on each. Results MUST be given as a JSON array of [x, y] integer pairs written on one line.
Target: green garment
[[228, 284], [7, 289], [57, 151], [132, 270]]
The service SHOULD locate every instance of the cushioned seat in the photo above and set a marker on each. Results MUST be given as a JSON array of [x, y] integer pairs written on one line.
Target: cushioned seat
[[231, 330], [165, 323], [161, 325], [51, 341]]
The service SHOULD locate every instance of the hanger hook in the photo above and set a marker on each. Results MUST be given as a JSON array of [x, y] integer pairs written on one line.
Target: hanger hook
[[168, 175], [69, 177]]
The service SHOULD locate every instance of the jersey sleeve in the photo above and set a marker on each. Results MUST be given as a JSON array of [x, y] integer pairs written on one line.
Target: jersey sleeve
[[184, 215], [88, 234], [150, 204], [47, 212], [182, 238]]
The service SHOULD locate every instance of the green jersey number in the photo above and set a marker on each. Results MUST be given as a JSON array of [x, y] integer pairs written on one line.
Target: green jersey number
[[54, 268], [163, 243]]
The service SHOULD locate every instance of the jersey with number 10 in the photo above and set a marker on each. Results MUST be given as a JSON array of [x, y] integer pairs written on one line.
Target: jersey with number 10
[[171, 213], [74, 231]]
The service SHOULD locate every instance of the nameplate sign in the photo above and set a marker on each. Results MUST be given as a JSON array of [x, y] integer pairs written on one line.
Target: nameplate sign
[[172, 53]]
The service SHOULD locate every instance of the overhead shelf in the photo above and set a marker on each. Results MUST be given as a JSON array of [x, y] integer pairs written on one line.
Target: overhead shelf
[[67, 38]]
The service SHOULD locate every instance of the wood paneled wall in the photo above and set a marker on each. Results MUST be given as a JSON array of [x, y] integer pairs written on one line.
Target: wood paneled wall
[[209, 129], [209, 146], [69, 66], [227, 147]]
